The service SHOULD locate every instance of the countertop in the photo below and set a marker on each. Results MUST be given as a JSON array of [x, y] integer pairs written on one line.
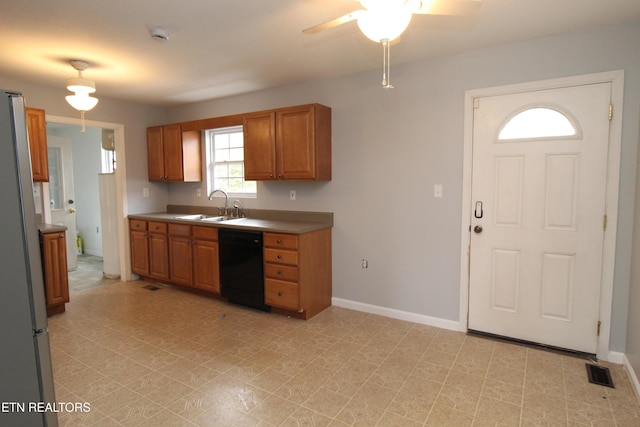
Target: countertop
[[279, 225], [51, 228]]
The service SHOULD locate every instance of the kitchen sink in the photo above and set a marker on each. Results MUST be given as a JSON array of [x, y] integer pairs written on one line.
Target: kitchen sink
[[191, 217], [203, 217], [216, 218]]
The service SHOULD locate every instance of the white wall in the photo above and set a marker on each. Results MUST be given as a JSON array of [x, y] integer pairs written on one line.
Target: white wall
[[632, 350], [390, 148]]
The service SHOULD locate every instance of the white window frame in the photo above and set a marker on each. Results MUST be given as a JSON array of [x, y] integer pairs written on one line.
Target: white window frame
[[211, 163]]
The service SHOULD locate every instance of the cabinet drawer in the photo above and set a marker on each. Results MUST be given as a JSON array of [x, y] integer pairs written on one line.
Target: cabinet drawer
[[282, 272], [280, 256], [180, 230], [278, 240], [205, 233], [137, 224], [281, 294], [157, 227]]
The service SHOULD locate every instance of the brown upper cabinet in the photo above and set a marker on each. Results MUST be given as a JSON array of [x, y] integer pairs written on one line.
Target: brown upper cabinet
[[288, 144], [37, 130], [174, 155]]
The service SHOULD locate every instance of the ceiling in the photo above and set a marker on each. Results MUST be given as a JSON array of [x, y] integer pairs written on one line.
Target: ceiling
[[219, 48]]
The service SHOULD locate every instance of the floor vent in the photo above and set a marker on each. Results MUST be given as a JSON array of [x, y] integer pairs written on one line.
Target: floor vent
[[599, 375], [151, 287]]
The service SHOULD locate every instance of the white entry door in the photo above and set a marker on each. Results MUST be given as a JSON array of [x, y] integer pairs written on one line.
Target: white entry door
[[537, 220], [61, 193]]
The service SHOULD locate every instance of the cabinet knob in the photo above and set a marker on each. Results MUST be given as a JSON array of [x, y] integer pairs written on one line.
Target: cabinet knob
[[279, 293], [61, 236], [279, 256], [278, 241], [279, 272]]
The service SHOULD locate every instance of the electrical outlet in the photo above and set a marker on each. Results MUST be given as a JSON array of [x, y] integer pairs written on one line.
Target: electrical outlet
[[292, 195], [145, 192], [198, 192], [437, 190], [365, 263]]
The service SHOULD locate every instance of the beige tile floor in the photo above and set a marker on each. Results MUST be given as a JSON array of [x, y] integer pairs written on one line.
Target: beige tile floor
[[88, 274], [172, 358]]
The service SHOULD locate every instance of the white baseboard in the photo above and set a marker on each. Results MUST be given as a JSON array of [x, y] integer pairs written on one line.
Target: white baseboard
[[615, 357], [633, 378], [398, 314], [92, 252]]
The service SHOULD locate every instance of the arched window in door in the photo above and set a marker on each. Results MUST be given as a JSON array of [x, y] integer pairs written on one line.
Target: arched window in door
[[538, 122]]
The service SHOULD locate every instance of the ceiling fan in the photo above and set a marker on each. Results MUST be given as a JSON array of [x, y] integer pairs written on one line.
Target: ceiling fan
[[385, 20]]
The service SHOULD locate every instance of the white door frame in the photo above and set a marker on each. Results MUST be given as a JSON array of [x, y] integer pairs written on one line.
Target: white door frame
[[611, 205], [122, 208]]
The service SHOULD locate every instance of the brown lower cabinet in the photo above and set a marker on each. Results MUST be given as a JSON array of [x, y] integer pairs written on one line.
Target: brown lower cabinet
[[206, 273], [54, 266], [179, 254], [297, 267]]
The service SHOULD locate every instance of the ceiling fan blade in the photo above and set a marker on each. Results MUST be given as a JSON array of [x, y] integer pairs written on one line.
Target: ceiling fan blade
[[449, 7], [334, 22]]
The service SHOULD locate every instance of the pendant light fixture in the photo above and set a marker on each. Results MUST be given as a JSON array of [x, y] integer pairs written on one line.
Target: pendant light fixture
[[81, 88]]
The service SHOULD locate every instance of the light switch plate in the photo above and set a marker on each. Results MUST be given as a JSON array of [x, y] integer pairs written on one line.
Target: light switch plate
[[437, 190]]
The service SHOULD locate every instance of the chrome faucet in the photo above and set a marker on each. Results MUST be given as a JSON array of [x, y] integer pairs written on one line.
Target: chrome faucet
[[226, 199]]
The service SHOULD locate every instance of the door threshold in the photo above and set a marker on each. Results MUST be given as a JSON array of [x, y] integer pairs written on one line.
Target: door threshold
[[535, 345]]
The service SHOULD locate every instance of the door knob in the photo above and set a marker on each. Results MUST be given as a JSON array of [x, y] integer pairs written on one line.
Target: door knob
[[477, 229], [72, 210]]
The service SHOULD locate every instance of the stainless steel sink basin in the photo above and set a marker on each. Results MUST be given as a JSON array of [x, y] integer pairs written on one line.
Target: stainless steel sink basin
[[216, 218], [191, 217], [203, 217]]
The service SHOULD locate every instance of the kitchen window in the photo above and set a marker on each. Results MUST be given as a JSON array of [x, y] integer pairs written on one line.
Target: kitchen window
[[225, 162]]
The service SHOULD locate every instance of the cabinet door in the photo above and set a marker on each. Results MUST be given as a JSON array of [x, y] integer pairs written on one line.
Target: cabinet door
[[158, 256], [155, 154], [295, 143], [172, 138], [205, 265], [139, 252], [259, 146], [37, 129], [56, 280], [180, 259]]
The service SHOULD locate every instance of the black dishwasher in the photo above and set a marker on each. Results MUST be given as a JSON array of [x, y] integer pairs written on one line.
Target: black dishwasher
[[241, 270]]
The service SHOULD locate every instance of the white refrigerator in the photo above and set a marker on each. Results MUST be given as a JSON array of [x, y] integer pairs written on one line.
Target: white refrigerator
[[26, 378]]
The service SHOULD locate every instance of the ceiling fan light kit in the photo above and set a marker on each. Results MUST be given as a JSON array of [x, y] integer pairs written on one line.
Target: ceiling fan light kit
[[81, 88], [385, 20]]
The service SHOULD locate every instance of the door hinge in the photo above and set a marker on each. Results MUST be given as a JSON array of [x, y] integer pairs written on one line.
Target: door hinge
[[476, 103], [604, 223], [610, 112], [598, 330]]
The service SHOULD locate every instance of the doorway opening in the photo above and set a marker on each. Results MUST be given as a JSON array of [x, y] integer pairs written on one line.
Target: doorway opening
[[97, 195]]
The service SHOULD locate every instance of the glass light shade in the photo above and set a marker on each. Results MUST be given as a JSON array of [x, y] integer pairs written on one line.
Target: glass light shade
[[78, 84], [81, 101], [384, 23]]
